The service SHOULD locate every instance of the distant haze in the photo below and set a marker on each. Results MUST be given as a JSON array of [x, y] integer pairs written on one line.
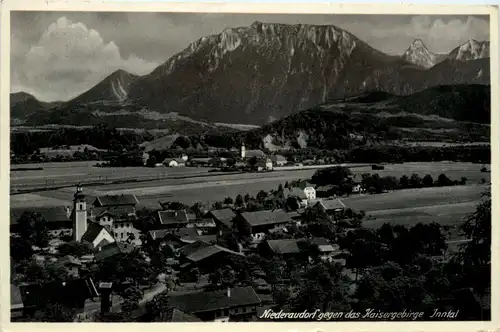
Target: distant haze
[[56, 56]]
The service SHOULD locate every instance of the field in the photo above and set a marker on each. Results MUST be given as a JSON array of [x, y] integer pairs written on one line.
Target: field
[[446, 205]]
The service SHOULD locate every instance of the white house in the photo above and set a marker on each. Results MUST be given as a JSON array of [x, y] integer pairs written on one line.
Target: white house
[[310, 193], [176, 162], [279, 160], [97, 236]]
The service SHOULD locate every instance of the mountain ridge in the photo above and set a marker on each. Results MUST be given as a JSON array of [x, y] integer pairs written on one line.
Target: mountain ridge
[[266, 71]]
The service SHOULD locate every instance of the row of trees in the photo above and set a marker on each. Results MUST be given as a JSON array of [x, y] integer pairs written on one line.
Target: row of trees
[[27, 143]]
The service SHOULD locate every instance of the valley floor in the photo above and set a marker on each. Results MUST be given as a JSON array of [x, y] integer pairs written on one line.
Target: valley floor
[[446, 205]]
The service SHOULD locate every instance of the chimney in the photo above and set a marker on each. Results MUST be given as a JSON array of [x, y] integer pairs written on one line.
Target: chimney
[[105, 289], [229, 292]]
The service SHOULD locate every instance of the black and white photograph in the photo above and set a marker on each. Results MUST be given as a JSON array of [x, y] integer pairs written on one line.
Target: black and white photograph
[[236, 167]]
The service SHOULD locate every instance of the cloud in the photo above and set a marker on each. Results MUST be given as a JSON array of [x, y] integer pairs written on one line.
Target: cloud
[[68, 59], [441, 35]]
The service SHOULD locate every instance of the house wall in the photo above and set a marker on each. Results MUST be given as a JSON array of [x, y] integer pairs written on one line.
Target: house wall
[[73, 270], [121, 229], [310, 193]]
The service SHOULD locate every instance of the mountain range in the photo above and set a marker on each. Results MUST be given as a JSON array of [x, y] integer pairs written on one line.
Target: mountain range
[[266, 71]]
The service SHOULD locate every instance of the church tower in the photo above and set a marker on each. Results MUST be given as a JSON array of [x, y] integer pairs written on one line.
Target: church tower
[[242, 151], [79, 214]]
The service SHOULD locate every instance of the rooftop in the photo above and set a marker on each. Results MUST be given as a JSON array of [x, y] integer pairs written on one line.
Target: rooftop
[[209, 301], [173, 217], [268, 217], [92, 232], [332, 204], [114, 200], [225, 216], [206, 252], [284, 246]]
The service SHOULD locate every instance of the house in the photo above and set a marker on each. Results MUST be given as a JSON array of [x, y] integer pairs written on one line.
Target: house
[[71, 264], [297, 194], [169, 219], [264, 164], [326, 250], [357, 188], [204, 224], [175, 162], [119, 220], [284, 247], [70, 293], [310, 193], [115, 200], [172, 315], [179, 236], [107, 251], [333, 207], [260, 222], [97, 236], [200, 162], [279, 160], [58, 219], [223, 218], [206, 259], [325, 191], [233, 304]]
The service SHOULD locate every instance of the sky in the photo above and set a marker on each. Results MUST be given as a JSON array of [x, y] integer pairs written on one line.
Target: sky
[[55, 56]]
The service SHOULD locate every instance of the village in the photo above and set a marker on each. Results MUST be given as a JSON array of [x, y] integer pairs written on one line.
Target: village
[[197, 245]]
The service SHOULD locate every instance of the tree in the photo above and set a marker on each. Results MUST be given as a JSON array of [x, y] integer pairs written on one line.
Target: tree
[[261, 196], [428, 181], [477, 228], [20, 249], [404, 182], [157, 306], [228, 201], [55, 313], [322, 287], [239, 200], [131, 297], [222, 278], [443, 180], [415, 181], [33, 227]]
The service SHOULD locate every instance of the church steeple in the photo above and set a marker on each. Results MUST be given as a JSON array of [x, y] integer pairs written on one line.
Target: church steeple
[[79, 214]]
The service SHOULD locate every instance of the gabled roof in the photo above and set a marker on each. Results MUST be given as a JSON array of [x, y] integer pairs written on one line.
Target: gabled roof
[[294, 192], [177, 160], [117, 211], [284, 246], [324, 245], [326, 188], [69, 260], [209, 301], [174, 315], [278, 158], [268, 217], [185, 232], [332, 204], [107, 251], [193, 247], [114, 200], [225, 216], [93, 230], [50, 214], [173, 217], [254, 153], [206, 252]]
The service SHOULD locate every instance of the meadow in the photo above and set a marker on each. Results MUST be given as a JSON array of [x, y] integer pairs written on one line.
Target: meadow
[[446, 205]]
